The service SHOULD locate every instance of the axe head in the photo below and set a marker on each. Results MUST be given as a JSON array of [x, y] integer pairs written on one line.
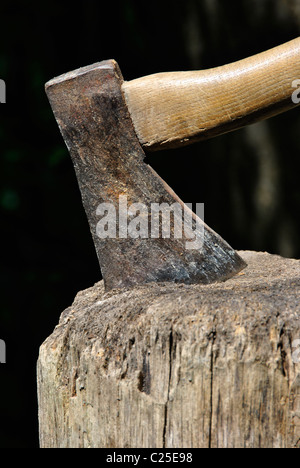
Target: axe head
[[126, 202]]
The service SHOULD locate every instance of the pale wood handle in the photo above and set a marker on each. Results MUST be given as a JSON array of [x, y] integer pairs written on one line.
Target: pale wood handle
[[178, 108]]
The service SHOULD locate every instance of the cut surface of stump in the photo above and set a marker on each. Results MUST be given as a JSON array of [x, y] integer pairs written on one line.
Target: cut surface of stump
[[177, 366]]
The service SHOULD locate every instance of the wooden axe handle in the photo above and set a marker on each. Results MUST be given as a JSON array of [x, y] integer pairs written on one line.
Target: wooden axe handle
[[174, 109]]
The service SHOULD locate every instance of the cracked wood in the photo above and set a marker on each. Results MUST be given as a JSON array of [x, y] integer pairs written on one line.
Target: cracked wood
[[173, 365]]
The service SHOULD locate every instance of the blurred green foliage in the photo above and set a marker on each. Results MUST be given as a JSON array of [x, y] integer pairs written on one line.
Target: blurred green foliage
[[248, 180]]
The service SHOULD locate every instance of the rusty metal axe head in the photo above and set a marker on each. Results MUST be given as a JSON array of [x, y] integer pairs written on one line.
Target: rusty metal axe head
[[103, 122], [94, 120]]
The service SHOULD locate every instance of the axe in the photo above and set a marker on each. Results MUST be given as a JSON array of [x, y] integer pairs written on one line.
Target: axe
[[107, 123]]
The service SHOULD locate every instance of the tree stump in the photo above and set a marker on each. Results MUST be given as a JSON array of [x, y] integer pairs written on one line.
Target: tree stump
[[177, 366]]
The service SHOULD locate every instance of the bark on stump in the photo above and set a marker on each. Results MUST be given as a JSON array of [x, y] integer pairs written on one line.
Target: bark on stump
[[172, 365]]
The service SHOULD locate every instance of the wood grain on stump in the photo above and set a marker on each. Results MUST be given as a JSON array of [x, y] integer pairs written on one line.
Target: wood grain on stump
[[173, 365]]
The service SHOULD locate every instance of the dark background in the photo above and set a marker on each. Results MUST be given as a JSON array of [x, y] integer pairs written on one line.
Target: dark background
[[248, 180]]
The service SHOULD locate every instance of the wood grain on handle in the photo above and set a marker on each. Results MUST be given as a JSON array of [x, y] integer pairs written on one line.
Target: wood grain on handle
[[173, 109]]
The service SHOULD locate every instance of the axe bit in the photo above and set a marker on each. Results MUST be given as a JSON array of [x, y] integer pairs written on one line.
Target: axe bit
[[107, 122]]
